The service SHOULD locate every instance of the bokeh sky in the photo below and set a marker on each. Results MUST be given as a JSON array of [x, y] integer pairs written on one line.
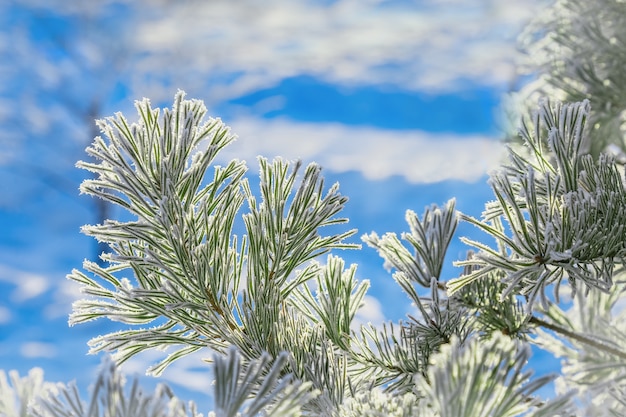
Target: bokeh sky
[[399, 101]]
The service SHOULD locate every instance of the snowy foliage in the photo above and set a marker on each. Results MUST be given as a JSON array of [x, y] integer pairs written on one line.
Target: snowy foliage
[[16, 394], [575, 51], [201, 261], [110, 398], [279, 321]]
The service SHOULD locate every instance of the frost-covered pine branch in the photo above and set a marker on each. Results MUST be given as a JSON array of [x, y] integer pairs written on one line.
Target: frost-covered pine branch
[[110, 397], [265, 293], [212, 265], [485, 378], [192, 276], [18, 393], [597, 372], [565, 211], [558, 225], [243, 390], [575, 51]]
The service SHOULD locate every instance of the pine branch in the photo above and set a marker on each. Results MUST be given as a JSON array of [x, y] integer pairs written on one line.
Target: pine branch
[[429, 238], [576, 51], [17, 393], [203, 286], [258, 387], [566, 213], [186, 260], [578, 337], [484, 379], [110, 397]]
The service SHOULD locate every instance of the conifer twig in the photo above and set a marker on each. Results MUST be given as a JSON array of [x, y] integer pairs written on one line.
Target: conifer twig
[[578, 337]]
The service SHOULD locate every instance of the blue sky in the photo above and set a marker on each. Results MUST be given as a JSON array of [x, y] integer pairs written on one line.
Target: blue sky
[[398, 101]]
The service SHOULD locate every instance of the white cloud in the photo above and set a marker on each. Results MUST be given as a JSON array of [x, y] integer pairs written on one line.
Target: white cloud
[[66, 292], [418, 156], [5, 315], [426, 46], [190, 372], [28, 285], [222, 49], [38, 350], [371, 312]]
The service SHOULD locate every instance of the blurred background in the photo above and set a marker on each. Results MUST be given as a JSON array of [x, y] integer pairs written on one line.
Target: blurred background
[[399, 101]]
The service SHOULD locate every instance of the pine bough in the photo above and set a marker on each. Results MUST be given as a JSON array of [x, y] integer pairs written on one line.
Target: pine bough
[[190, 272]]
